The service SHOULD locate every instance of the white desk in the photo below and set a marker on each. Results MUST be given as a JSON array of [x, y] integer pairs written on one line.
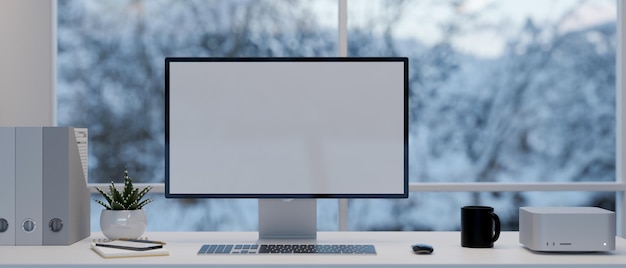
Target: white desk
[[393, 249]]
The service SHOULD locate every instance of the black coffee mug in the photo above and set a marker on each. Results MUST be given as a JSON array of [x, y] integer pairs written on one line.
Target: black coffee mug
[[480, 227]]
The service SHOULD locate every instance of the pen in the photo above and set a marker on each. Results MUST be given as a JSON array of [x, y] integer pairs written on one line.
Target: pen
[[127, 247], [142, 240]]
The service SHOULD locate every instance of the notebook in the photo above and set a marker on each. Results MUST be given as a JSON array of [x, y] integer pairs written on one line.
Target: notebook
[[112, 252]]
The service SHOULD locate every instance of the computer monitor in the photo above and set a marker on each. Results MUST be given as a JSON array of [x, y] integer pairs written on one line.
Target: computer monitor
[[286, 131]]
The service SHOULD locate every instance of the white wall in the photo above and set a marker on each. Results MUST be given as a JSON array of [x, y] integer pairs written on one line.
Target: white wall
[[27, 78]]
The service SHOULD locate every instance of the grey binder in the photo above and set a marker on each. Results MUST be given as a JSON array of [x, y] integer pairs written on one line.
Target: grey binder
[[66, 198], [7, 186], [28, 185]]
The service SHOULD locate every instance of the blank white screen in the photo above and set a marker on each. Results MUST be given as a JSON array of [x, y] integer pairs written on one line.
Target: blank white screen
[[286, 128]]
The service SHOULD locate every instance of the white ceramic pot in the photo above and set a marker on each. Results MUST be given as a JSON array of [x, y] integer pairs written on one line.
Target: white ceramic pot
[[117, 224]]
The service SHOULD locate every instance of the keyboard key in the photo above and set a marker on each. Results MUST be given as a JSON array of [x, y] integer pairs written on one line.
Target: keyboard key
[[203, 249]]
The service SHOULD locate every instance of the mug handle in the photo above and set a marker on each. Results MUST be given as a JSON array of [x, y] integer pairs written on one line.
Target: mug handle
[[496, 220]]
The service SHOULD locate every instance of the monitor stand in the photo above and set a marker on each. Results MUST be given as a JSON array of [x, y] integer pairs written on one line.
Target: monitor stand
[[281, 219]]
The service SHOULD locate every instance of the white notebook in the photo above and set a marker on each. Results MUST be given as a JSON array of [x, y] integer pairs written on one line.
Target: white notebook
[[107, 252]]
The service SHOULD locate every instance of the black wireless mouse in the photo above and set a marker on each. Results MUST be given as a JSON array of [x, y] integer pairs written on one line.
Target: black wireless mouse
[[422, 249]]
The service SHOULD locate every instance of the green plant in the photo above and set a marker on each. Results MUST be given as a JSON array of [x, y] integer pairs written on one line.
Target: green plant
[[128, 199]]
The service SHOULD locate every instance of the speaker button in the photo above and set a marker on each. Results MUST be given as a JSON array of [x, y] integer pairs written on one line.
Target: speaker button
[[28, 225], [4, 225], [55, 225]]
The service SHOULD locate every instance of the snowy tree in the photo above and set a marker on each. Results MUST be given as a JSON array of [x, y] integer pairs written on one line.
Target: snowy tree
[[542, 111], [111, 57]]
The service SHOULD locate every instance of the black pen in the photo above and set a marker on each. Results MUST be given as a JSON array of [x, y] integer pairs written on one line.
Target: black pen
[[127, 247], [142, 241]]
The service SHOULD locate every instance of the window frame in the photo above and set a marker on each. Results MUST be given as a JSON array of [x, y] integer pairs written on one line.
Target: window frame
[[618, 187]]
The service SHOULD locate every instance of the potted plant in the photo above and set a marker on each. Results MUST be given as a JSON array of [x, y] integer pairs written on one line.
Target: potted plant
[[123, 215]]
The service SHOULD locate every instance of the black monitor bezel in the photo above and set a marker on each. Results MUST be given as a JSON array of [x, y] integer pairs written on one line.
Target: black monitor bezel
[[404, 60]]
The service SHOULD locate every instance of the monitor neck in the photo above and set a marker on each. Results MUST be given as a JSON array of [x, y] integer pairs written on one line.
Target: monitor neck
[[287, 219]]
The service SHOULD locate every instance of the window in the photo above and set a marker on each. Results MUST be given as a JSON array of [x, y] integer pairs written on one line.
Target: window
[[110, 79], [501, 91], [111, 56]]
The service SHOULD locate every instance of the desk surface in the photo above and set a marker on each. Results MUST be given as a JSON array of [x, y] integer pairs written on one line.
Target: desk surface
[[393, 249]]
